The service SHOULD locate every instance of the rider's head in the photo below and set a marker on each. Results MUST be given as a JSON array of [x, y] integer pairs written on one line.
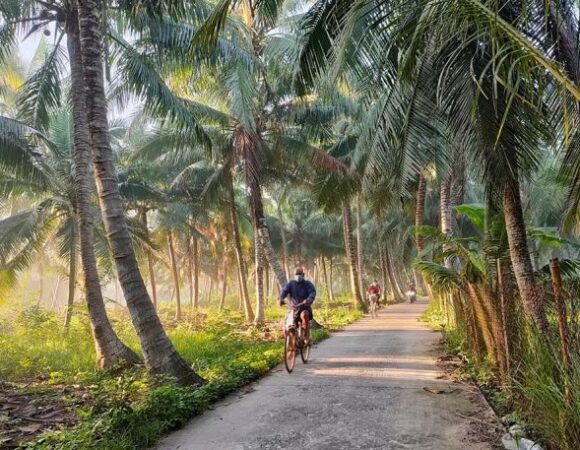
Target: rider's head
[[375, 282], [299, 273]]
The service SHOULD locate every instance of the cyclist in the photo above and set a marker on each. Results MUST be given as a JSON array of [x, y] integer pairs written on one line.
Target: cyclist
[[302, 293], [412, 292], [374, 292]]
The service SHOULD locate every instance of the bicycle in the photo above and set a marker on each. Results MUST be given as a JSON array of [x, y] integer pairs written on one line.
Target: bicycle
[[374, 305], [294, 340]]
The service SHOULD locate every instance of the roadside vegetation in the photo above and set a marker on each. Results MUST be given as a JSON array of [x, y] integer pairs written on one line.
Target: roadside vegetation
[[164, 166], [119, 409]]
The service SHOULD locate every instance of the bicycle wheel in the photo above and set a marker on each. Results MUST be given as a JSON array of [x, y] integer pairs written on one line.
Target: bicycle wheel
[[290, 350], [305, 353]]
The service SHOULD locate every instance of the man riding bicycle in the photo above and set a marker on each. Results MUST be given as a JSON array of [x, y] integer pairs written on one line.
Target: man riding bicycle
[[374, 292], [302, 293]]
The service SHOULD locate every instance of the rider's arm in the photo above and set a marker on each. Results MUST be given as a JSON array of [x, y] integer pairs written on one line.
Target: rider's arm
[[284, 293], [311, 294]]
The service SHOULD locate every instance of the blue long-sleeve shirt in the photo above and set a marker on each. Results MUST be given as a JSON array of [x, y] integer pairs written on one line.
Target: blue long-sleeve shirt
[[299, 291]]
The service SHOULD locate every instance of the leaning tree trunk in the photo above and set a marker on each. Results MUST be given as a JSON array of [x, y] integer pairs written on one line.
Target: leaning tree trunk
[[520, 256], [175, 275], [159, 353], [351, 258], [109, 350], [245, 297], [249, 147], [72, 276]]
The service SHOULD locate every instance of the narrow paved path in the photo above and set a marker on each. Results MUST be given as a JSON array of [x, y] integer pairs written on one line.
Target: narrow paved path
[[362, 389]]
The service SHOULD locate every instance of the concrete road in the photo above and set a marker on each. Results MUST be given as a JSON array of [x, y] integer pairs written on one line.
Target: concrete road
[[362, 389]]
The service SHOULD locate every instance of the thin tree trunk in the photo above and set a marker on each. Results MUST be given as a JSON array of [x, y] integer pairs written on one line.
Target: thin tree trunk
[[195, 274], [190, 270], [175, 275], [213, 277], [160, 355], [387, 288], [72, 277], [506, 302], [330, 280], [359, 246], [520, 256], [351, 258], [245, 298], [284, 242], [419, 218], [325, 277], [398, 294], [560, 312], [259, 280], [224, 284], [143, 215]]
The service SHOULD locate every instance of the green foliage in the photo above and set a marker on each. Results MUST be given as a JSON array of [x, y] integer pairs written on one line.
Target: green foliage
[[132, 410]]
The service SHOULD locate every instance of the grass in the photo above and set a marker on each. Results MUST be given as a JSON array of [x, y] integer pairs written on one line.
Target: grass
[[131, 410], [536, 399]]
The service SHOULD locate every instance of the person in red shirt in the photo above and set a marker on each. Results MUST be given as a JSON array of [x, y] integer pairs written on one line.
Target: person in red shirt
[[374, 291]]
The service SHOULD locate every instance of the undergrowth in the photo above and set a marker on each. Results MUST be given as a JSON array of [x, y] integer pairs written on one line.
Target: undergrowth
[[130, 410], [542, 397]]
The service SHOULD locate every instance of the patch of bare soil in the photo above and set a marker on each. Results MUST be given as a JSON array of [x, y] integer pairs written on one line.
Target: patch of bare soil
[[28, 410], [484, 425]]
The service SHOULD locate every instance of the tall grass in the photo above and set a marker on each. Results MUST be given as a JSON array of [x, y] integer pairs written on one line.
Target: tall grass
[[542, 395]]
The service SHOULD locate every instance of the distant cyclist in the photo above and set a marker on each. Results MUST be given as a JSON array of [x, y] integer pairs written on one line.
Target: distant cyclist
[[374, 293], [412, 293], [302, 293]]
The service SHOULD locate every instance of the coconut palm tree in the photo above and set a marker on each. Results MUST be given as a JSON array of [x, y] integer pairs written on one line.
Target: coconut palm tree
[[160, 355], [406, 110], [53, 213]]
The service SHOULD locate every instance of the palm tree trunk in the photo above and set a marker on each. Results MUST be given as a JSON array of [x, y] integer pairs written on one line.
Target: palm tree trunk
[[398, 294], [419, 219], [159, 353], [359, 245], [284, 242], [151, 268], [72, 276], [259, 274], [331, 280], [190, 270], [261, 231], [351, 258], [175, 275], [507, 313], [520, 256], [195, 271], [560, 312], [245, 298], [387, 288], [224, 283], [325, 277]]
